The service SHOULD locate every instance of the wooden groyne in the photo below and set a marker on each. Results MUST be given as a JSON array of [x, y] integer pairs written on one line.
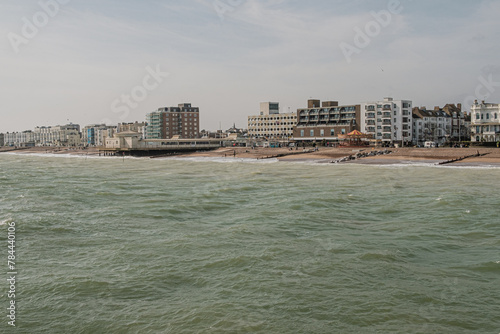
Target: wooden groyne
[[462, 158], [285, 154], [361, 155]]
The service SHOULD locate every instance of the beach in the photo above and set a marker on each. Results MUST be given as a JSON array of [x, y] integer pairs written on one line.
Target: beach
[[475, 156], [487, 156]]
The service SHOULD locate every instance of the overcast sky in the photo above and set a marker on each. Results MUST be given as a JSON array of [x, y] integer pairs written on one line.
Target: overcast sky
[[226, 56]]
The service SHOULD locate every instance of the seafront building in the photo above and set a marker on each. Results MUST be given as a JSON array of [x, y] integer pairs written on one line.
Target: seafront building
[[326, 121], [431, 125], [485, 120], [460, 122], [388, 121], [20, 139], [182, 121], [133, 127], [96, 134], [270, 123], [60, 135]]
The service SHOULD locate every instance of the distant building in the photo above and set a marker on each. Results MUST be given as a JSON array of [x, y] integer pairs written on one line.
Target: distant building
[[431, 125], [460, 122], [96, 134], [326, 122], [182, 121], [485, 120], [20, 139], [270, 123], [60, 135], [388, 121], [132, 127], [2, 136]]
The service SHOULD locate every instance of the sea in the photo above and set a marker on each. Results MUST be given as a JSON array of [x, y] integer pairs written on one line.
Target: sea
[[204, 245]]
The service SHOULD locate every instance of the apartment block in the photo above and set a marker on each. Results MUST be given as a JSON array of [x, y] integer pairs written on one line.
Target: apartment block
[[326, 120], [60, 135], [96, 134], [20, 139], [388, 121], [270, 123], [485, 122], [182, 121]]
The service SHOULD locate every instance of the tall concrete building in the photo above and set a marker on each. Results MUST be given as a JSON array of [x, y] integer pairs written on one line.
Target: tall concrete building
[[270, 123], [485, 119], [165, 123], [388, 121], [326, 122]]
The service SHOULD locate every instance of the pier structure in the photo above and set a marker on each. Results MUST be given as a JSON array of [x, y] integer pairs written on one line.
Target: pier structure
[[128, 143]]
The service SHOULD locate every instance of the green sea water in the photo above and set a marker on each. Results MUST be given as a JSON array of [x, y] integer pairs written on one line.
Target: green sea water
[[111, 245]]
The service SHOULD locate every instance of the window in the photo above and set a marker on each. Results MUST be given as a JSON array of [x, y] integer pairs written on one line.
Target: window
[[496, 116], [395, 113], [332, 132], [343, 131], [311, 133], [487, 116], [477, 116], [322, 133], [302, 133]]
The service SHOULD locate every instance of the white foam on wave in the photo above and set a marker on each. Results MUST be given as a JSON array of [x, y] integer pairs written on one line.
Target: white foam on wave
[[323, 162], [221, 159], [69, 155], [5, 222]]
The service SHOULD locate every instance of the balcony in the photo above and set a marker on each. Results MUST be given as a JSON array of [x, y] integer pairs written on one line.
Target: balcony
[[386, 115]]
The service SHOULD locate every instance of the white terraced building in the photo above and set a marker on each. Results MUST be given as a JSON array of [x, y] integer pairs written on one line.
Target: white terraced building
[[485, 122], [388, 121]]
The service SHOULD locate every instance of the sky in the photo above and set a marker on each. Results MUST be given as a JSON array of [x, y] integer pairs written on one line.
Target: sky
[[90, 61]]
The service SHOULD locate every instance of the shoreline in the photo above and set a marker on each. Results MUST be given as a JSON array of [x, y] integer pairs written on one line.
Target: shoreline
[[488, 156]]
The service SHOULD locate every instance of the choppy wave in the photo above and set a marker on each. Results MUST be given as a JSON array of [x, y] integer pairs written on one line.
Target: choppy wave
[[203, 245]]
